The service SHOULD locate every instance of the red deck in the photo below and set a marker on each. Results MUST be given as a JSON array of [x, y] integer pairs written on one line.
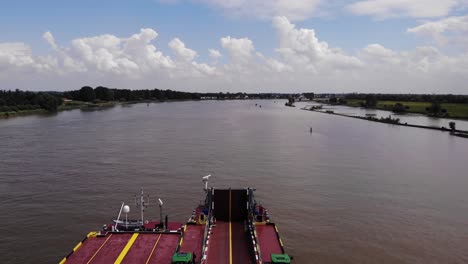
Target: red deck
[[193, 240], [164, 250], [268, 241], [224, 246], [240, 244], [100, 249], [218, 247], [144, 248]]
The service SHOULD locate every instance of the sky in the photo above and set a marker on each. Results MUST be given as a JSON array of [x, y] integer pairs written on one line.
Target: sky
[[339, 46]]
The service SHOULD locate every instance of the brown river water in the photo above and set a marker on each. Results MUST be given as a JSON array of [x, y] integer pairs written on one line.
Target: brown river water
[[351, 191]]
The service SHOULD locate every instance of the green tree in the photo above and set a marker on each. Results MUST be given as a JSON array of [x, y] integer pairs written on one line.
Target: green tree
[[435, 108], [452, 126], [371, 101], [309, 96], [399, 108], [87, 94], [104, 94], [49, 102]]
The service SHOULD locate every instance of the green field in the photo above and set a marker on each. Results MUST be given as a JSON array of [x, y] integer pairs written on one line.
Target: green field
[[453, 110]]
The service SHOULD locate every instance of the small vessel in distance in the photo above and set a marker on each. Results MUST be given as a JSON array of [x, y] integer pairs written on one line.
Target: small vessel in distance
[[228, 227]]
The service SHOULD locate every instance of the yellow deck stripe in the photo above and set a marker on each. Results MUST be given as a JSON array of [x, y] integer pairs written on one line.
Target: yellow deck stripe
[[182, 238], [91, 259], [91, 234], [77, 247], [63, 261], [126, 249], [230, 232], [152, 250]]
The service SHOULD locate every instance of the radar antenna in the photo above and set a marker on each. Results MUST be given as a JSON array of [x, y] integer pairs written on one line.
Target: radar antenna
[[161, 214], [205, 179]]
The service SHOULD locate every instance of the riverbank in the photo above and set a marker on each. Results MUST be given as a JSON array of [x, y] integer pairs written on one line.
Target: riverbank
[[85, 106], [4, 115], [453, 111], [389, 120], [70, 105]]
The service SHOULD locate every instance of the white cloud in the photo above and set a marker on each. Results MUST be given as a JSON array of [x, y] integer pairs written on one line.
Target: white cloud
[[50, 39], [278, 66], [214, 54], [296, 10], [301, 62], [302, 48], [420, 60], [18, 57], [398, 8], [15, 54], [179, 49], [378, 54], [293, 9], [239, 49], [451, 30]]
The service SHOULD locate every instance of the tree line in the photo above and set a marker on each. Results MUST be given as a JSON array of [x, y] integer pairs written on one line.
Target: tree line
[[25, 100], [100, 93], [14, 101], [17, 100]]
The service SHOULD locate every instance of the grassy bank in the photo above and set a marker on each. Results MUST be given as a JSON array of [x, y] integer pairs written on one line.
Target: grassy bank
[[453, 110], [69, 105], [21, 113], [85, 106]]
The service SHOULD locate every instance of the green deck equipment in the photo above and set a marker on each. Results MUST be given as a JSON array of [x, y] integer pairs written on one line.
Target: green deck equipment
[[280, 258], [182, 258]]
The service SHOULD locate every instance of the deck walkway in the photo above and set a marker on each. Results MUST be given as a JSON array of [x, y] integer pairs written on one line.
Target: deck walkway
[[126, 248], [268, 241]]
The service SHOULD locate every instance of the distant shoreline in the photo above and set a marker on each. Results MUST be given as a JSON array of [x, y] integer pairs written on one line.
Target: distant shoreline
[[74, 105], [459, 111], [456, 132]]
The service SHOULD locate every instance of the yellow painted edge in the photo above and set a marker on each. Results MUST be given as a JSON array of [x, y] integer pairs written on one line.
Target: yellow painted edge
[[63, 261], [281, 242], [230, 243], [91, 234], [230, 231], [126, 248], [77, 246], [152, 250], [181, 241], [99, 249]]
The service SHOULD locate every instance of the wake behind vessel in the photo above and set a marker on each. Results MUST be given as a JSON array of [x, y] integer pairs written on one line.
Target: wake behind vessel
[[228, 227]]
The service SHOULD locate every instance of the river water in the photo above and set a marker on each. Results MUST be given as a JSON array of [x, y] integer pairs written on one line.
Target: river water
[[351, 191]]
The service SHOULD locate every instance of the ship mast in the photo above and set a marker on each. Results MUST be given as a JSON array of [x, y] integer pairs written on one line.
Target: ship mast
[[142, 204]]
